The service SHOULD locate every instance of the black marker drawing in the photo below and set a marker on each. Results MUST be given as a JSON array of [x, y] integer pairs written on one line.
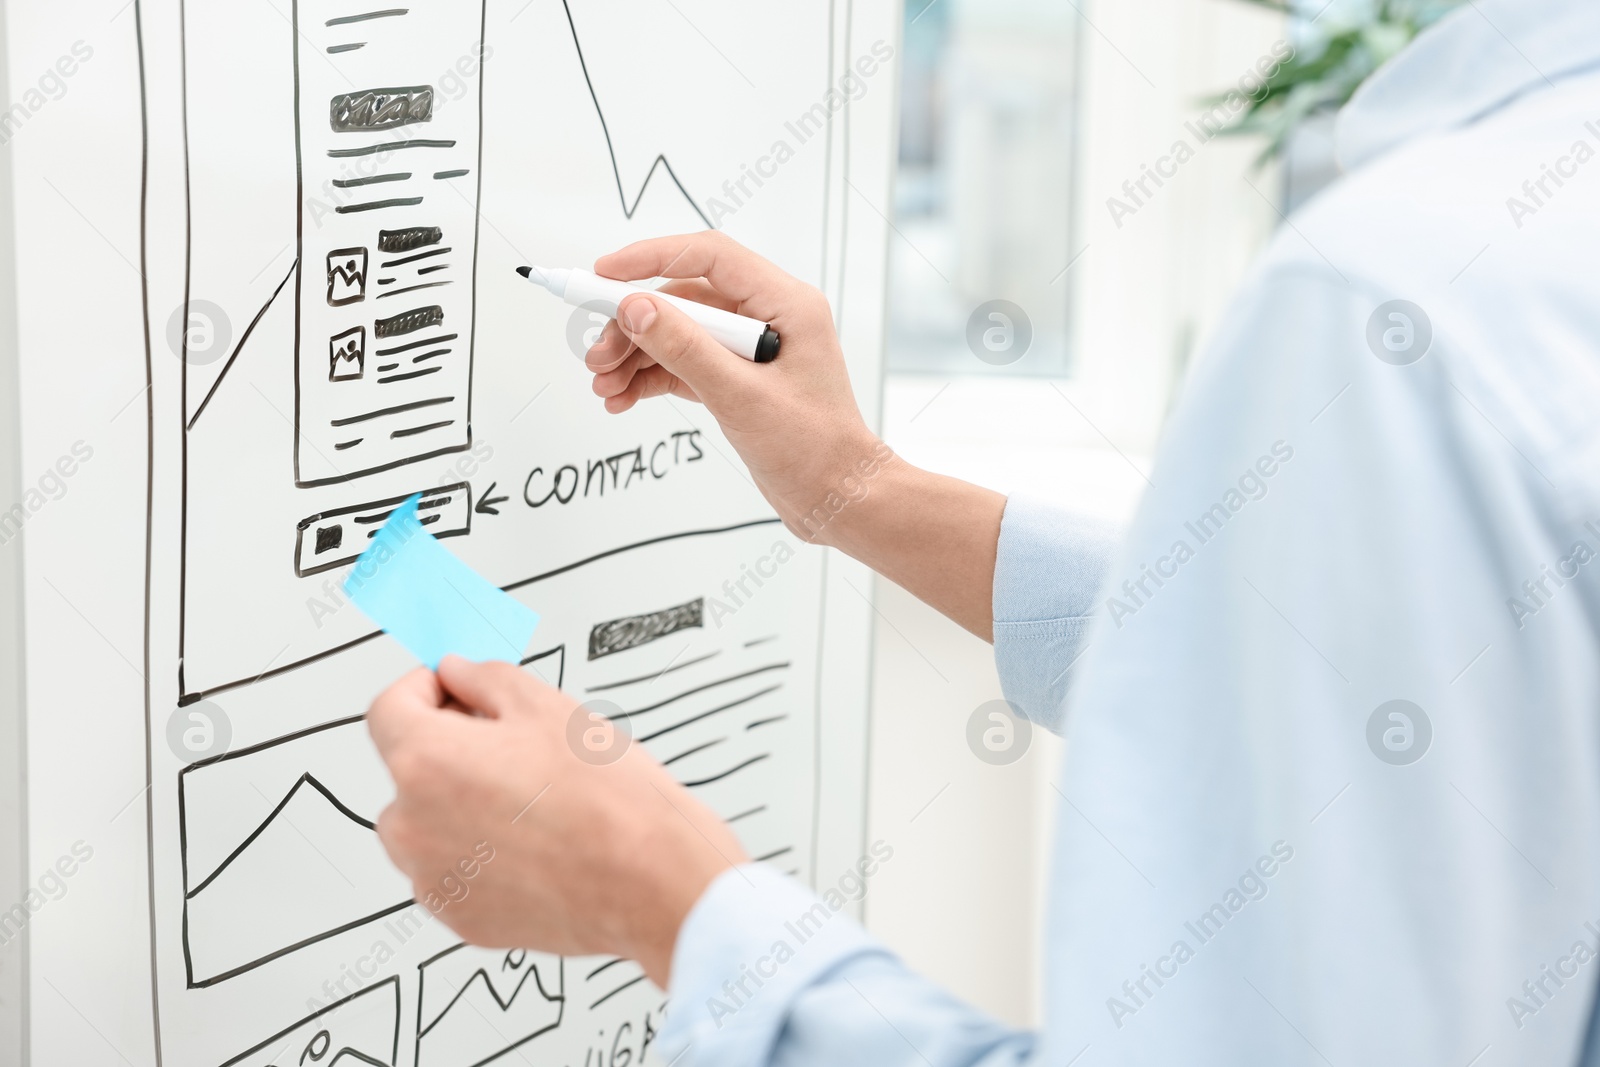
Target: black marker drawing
[[258, 898], [378, 205], [237, 348], [189, 696], [370, 179], [360, 1029], [476, 1005], [730, 772], [409, 322], [346, 20], [357, 129], [332, 539], [414, 288], [654, 675], [486, 506], [405, 240], [387, 147], [380, 109], [347, 355], [620, 635], [668, 701], [347, 276], [278, 849], [549, 667], [660, 161], [702, 716]]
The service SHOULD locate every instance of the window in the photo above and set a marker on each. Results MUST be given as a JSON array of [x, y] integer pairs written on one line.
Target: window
[[984, 193]]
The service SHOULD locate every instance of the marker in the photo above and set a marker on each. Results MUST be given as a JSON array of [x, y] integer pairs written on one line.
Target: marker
[[750, 338]]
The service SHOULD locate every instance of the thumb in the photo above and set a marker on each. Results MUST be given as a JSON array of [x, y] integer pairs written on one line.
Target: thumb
[[681, 345]]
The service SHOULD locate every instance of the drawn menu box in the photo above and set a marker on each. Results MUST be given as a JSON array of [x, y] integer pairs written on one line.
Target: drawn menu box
[[389, 186]]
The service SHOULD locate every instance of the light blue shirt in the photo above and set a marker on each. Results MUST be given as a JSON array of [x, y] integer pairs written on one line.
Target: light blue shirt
[[1266, 860]]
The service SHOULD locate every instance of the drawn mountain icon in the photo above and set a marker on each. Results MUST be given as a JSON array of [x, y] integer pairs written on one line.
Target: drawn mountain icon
[[476, 1005], [347, 276], [310, 869], [347, 355]]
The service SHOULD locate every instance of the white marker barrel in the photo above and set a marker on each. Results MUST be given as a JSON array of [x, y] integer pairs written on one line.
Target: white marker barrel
[[750, 338]]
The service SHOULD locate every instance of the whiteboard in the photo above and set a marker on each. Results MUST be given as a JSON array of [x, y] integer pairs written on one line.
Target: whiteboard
[[264, 273]]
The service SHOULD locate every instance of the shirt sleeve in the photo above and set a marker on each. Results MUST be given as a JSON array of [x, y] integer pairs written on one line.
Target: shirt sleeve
[[1051, 566], [767, 974]]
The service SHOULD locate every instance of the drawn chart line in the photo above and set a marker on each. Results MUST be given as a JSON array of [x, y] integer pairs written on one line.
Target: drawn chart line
[[616, 170], [505, 1005], [226, 367], [305, 779]]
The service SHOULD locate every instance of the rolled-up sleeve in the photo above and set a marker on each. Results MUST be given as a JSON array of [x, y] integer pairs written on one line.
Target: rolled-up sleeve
[[1051, 567], [767, 973]]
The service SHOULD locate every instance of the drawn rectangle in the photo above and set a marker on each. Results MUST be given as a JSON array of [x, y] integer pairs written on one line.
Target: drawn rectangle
[[360, 1029], [279, 851], [475, 1005], [619, 635], [386, 300], [334, 538]]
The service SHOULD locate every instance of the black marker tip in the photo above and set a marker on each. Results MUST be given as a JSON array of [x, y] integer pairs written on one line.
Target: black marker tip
[[525, 271]]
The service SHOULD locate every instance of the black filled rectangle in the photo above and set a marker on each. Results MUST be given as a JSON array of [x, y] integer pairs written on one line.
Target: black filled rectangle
[[619, 635]]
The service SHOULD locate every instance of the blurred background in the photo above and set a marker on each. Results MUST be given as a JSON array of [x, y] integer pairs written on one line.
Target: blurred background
[[1020, 120]]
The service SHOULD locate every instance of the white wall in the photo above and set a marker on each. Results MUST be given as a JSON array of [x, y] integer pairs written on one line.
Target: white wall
[[13, 839]]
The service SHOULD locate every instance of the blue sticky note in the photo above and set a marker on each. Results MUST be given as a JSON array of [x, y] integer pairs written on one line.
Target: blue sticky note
[[431, 602]]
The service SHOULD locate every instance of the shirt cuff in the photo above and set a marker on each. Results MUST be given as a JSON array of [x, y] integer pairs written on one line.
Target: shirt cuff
[[754, 942], [1049, 570]]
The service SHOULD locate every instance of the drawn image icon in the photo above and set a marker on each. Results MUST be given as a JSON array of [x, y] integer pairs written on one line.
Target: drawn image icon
[[347, 355], [347, 276], [475, 1005], [363, 1028], [280, 849]]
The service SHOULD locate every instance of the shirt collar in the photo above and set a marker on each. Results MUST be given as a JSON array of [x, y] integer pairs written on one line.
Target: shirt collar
[[1477, 59]]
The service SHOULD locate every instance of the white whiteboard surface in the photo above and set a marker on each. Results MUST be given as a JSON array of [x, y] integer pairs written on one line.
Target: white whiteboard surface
[[237, 910]]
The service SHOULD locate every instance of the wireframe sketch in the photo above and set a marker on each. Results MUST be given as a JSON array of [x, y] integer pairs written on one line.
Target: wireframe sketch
[[476, 1005], [361, 1029], [396, 309], [359, 234], [309, 868]]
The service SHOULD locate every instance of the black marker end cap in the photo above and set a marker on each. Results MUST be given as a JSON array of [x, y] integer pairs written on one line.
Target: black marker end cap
[[526, 272], [767, 347]]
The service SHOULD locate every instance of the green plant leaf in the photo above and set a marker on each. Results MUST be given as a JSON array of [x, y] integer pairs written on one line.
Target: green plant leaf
[[1327, 69]]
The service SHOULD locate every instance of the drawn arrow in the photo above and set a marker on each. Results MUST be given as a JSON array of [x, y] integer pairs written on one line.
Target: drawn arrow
[[486, 506]]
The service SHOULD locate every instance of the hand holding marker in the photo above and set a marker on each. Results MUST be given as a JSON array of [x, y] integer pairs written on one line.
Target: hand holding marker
[[754, 340]]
